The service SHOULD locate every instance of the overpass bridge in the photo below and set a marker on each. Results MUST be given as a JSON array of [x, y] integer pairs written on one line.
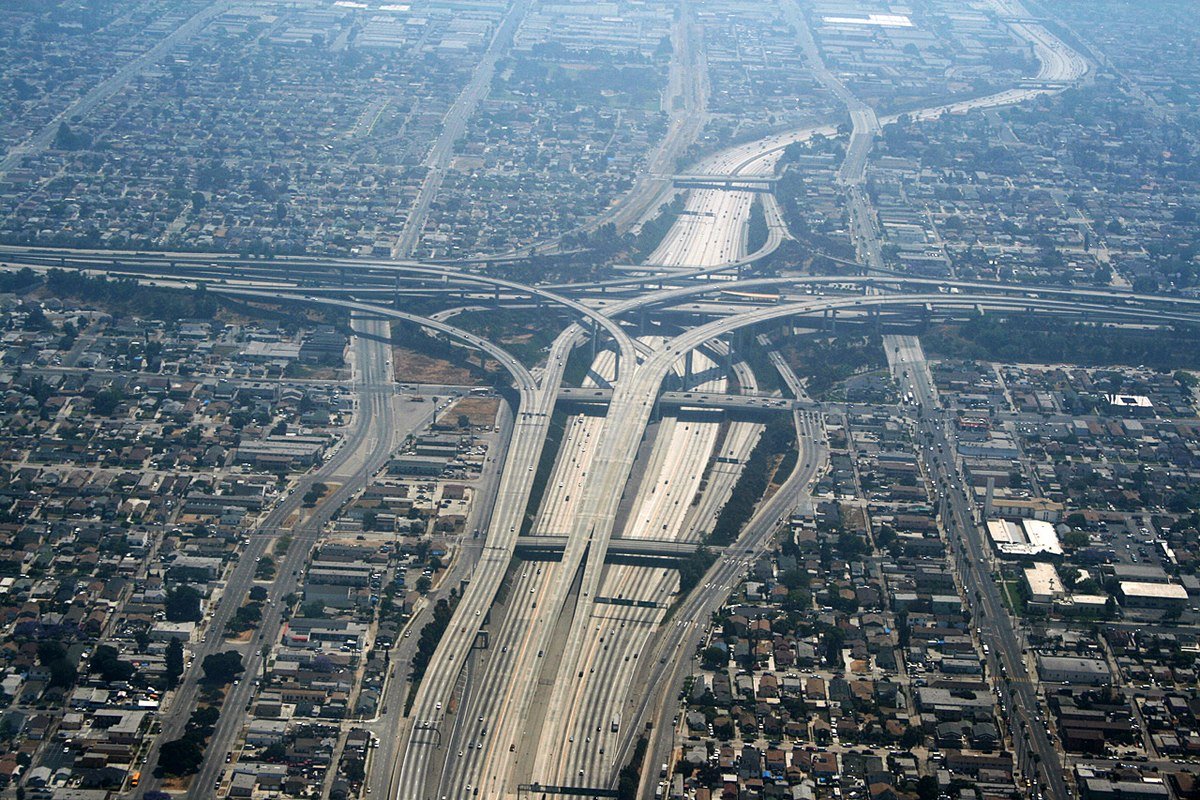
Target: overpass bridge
[[741, 183], [655, 552], [743, 403]]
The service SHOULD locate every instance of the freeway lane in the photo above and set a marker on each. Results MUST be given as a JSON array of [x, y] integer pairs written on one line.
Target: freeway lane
[[411, 769], [290, 270], [577, 745], [362, 455], [380, 766], [489, 703], [104, 265]]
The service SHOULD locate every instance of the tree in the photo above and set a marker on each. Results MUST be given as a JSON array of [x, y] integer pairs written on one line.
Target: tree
[[424, 584], [183, 605], [174, 662], [67, 139], [834, 639], [258, 593], [714, 657], [1073, 540], [203, 721], [912, 737], [109, 666], [53, 656], [354, 770], [180, 756], [62, 674], [105, 402], [464, 421], [222, 668], [248, 615]]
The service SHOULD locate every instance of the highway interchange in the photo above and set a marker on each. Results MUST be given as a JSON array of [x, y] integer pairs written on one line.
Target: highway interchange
[[568, 678]]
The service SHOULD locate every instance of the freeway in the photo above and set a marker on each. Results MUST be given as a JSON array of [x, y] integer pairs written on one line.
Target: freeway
[[422, 730], [577, 743], [711, 234], [646, 381], [604, 314], [485, 743], [1036, 754], [1058, 63], [1096, 297]]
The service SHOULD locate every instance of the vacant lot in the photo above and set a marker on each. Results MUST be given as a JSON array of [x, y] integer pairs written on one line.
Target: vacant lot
[[414, 367], [480, 410]]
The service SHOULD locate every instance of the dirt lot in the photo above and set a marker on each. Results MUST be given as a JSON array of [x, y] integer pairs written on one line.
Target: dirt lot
[[414, 367], [480, 410]]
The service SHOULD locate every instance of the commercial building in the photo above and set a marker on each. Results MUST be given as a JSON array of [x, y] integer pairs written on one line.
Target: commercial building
[[1107, 789], [1141, 594], [1044, 584], [418, 465], [1074, 670], [1029, 537]]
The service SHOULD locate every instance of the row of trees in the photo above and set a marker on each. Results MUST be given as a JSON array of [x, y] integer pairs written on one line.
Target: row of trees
[[825, 363], [427, 643], [777, 439], [183, 756], [756, 230], [127, 294], [1059, 342]]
